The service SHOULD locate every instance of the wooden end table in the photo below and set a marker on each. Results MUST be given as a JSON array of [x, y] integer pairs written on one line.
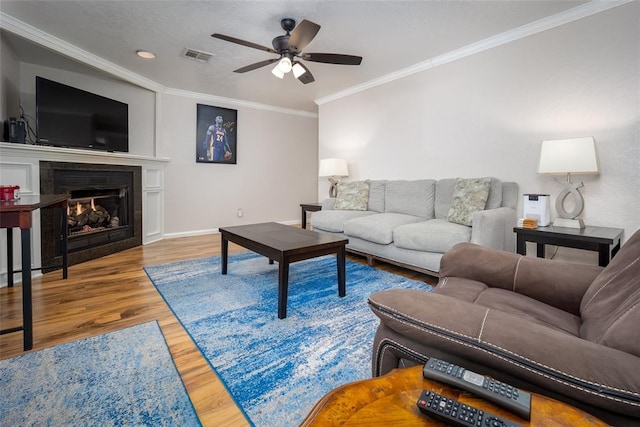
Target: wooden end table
[[285, 244], [605, 241], [18, 214], [309, 207], [390, 400]]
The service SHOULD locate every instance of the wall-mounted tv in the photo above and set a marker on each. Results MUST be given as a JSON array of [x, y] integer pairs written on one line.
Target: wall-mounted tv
[[71, 117]]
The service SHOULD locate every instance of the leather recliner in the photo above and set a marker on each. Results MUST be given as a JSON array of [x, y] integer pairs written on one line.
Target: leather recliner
[[565, 330]]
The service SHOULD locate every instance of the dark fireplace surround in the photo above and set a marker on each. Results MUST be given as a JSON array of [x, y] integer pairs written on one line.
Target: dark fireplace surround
[[118, 187]]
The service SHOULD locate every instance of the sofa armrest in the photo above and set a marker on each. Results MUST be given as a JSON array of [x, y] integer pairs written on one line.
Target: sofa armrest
[[328, 204], [544, 356], [559, 284], [493, 228]]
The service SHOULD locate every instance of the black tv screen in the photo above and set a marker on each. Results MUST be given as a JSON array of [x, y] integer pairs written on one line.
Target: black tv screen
[[71, 117]]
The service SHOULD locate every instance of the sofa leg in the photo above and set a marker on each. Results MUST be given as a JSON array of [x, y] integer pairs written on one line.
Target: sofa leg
[[371, 261]]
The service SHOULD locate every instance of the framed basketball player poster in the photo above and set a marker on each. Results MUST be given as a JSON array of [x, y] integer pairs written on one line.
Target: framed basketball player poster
[[216, 130]]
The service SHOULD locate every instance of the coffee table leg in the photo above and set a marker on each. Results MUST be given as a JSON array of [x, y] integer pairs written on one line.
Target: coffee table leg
[[283, 288], [340, 259], [225, 254]]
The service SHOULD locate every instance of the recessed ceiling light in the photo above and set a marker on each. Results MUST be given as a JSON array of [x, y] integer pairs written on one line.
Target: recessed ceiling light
[[145, 54]]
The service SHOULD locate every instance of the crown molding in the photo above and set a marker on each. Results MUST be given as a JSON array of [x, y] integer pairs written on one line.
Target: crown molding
[[237, 102], [60, 46], [539, 26]]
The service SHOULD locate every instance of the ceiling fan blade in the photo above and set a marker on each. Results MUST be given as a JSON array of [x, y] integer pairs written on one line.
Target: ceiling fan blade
[[242, 42], [302, 35], [333, 58], [307, 77], [256, 65]]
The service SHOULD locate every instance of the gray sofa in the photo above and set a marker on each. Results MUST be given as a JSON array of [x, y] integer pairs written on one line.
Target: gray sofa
[[405, 222]]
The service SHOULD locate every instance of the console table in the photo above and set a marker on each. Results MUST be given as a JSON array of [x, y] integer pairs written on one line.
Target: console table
[[309, 207], [18, 214], [605, 241], [390, 400]]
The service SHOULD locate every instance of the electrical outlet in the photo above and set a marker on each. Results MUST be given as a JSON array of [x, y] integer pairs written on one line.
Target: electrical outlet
[[239, 213]]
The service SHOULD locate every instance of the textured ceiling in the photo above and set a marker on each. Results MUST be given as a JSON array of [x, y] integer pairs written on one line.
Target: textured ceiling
[[389, 35]]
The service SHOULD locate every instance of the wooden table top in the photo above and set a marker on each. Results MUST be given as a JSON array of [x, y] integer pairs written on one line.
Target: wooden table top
[[31, 203], [282, 237], [390, 400]]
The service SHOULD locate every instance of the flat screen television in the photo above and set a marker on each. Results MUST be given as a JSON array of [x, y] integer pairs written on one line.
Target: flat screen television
[[71, 117]]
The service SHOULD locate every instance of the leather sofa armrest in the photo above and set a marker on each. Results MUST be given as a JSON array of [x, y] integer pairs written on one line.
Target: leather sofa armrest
[[559, 284], [512, 344], [493, 228]]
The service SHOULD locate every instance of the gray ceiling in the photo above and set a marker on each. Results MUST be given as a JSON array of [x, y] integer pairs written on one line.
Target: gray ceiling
[[389, 35]]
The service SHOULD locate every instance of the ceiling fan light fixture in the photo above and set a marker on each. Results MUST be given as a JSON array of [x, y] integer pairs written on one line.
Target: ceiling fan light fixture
[[284, 65], [298, 70], [276, 71]]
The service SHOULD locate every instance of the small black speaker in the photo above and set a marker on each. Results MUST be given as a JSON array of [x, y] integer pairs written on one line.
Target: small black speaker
[[15, 130]]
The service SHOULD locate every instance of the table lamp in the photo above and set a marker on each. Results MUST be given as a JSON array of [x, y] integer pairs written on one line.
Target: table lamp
[[569, 156], [333, 168]]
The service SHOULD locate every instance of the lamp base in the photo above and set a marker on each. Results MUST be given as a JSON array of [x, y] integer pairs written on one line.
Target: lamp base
[[333, 188], [569, 223]]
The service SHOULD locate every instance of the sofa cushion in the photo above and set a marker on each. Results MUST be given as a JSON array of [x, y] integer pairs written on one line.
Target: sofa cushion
[[333, 220], [434, 235], [610, 308], [377, 228], [376, 195], [415, 198], [352, 196], [469, 196], [444, 194], [494, 201], [510, 302]]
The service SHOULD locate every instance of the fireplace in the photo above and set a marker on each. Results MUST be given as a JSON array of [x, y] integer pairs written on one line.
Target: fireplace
[[105, 210]]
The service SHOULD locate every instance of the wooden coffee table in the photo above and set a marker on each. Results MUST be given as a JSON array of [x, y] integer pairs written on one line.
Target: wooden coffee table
[[390, 400], [285, 244]]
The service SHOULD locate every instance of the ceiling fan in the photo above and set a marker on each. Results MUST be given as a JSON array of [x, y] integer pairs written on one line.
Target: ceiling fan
[[290, 47]]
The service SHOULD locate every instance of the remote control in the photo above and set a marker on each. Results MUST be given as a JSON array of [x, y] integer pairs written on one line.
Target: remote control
[[511, 398], [454, 413]]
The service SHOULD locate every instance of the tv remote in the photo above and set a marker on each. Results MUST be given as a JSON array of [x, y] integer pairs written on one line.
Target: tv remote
[[452, 412], [511, 398]]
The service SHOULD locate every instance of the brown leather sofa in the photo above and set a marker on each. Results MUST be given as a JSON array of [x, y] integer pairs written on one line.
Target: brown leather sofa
[[568, 331]]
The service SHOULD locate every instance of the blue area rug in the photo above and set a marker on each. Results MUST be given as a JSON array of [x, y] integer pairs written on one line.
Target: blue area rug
[[277, 369], [121, 378]]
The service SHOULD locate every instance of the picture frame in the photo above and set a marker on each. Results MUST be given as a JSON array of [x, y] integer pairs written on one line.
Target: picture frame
[[216, 135]]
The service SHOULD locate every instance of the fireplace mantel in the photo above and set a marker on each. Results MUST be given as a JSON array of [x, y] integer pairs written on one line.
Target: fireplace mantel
[[7, 148], [20, 165]]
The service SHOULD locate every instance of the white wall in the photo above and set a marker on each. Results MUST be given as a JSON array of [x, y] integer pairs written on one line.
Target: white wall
[[9, 81], [276, 168], [486, 115]]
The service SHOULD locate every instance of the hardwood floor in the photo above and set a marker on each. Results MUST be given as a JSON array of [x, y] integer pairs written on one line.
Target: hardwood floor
[[114, 292]]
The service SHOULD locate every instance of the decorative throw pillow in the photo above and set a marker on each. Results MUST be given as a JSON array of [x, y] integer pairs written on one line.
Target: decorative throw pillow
[[469, 196], [353, 196]]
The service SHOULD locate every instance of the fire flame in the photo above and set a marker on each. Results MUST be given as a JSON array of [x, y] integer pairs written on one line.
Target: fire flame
[[79, 208]]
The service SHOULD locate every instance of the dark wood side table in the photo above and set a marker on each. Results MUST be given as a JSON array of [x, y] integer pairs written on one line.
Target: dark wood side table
[[605, 241], [390, 400], [18, 214], [309, 207]]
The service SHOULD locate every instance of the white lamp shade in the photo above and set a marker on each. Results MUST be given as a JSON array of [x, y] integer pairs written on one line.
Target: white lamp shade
[[276, 72], [333, 167], [568, 156], [284, 65], [298, 70]]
